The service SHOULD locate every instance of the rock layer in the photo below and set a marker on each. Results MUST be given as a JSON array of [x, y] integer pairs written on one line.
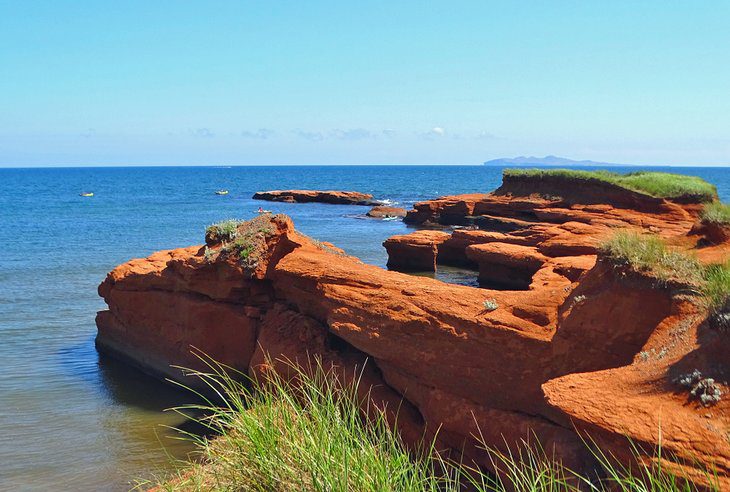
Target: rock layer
[[575, 345], [307, 196]]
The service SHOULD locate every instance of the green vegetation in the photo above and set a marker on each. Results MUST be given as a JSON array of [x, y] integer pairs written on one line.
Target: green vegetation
[[716, 288], [225, 230], [716, 213], [491, 305], [304, 437], [648, 253], [661, 185], [312, 436], [246, 239]]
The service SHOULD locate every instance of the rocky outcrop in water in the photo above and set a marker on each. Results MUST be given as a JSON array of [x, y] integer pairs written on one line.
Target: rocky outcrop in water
[[383, 211], [562, 341], [308, 196]]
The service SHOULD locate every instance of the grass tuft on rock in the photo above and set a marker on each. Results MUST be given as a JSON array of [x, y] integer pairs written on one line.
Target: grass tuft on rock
[[716, 213], [656, 184], [716, 288], [650, 254], [312, 436]]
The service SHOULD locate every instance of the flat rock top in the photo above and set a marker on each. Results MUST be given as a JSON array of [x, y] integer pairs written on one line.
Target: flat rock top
[[381, 211], [326, 196]]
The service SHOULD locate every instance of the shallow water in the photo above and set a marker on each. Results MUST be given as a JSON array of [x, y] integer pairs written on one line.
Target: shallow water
[[72, 421]]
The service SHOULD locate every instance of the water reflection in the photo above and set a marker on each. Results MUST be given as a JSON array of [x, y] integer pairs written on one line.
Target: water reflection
[[452, 275], [134, 425]]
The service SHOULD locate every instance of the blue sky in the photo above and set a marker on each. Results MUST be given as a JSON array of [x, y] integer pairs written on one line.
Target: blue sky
[[320, 82]]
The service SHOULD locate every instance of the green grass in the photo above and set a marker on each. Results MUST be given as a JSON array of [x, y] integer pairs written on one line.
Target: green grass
[[305, 437], [716, 288], [716, 213], [662, 185], [312, 436], [650, 254]]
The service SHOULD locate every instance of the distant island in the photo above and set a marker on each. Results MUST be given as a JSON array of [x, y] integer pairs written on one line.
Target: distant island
[[550, 160]]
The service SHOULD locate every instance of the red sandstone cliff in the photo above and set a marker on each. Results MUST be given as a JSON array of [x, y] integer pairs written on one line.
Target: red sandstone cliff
[[574, 344]]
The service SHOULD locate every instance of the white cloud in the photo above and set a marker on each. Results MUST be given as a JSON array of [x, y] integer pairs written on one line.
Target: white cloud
[[260, 134], [203, 133], [352, 134], [434, 133], [307, 135]]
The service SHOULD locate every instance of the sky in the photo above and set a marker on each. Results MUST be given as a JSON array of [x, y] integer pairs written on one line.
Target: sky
[[93, 83]]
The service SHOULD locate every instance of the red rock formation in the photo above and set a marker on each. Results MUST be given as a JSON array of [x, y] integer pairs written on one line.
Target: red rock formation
[[382, 211], [414, 252], [306, 196], [583, 346]]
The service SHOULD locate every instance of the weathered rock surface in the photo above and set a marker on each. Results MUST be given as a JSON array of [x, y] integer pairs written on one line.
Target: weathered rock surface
[[576, 345], [414, 252], [307, 196], [382, 211]]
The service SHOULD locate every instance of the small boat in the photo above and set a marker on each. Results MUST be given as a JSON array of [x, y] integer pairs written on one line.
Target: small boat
[[262, 211], [86, 193], [221, 192]]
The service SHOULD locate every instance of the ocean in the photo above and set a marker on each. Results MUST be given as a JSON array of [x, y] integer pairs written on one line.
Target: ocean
[[70, 420]]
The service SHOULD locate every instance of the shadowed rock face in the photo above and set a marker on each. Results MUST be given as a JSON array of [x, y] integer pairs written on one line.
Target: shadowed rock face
[[580, 346], [307, 196]]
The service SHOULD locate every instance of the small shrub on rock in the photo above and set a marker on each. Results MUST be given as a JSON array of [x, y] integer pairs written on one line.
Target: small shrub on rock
[[703, 389], [246, 241], [490, 305], [223, 231]]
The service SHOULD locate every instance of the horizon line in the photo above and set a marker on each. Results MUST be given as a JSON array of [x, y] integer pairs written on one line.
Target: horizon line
[[224, 166]]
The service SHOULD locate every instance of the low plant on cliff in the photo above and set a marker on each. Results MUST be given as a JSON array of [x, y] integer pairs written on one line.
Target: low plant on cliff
[[490, 305], [701, 388], [651, 254], [244, 239], [225, 230], [661, 185], [716, 213]]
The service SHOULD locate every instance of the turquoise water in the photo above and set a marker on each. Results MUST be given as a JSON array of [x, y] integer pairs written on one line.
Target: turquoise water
[[72, 421]]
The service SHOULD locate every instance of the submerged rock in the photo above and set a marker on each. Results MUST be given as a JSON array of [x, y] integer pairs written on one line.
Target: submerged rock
[[383, 211]]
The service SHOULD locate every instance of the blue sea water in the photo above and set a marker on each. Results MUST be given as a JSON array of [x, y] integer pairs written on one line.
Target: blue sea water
[[72, 421]]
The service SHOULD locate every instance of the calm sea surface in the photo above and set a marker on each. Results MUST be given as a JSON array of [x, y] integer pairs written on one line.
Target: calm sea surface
[[72, 421]]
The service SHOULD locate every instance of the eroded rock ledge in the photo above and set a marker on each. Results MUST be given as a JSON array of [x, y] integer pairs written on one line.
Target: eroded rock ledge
[[307, 196], [580, 345]]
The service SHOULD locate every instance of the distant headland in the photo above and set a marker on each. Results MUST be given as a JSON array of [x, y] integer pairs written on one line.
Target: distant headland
[[549, 160]]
